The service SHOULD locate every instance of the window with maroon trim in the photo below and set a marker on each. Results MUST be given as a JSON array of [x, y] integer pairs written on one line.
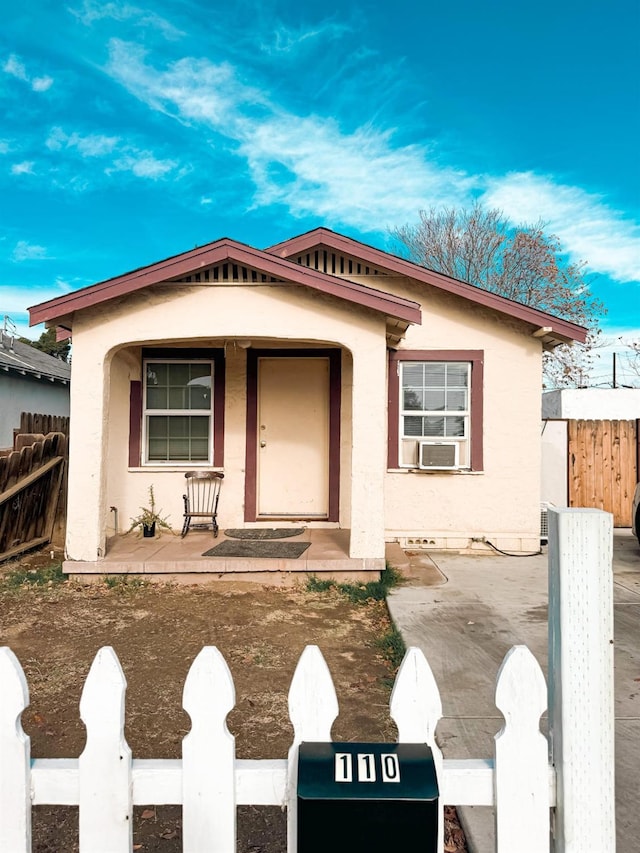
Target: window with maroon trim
[[435, 410], [179, 409]]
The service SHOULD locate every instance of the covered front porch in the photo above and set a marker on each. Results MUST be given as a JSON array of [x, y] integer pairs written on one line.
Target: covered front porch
[[170, 558]]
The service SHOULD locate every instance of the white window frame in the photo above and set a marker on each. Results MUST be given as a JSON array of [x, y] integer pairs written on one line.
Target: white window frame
[[463, 442], [148, 412]]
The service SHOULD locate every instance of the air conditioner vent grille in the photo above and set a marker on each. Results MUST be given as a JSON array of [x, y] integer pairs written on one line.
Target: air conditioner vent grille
[[439, 455]]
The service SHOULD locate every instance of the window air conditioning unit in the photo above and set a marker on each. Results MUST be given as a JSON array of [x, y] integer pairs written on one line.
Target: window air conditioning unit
[[440, 455]]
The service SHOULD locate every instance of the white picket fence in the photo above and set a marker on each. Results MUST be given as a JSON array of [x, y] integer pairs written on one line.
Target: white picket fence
[[527, 781]]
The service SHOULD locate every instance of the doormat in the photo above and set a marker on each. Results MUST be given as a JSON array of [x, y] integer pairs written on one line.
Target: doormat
[[258, 549], [264, 532]]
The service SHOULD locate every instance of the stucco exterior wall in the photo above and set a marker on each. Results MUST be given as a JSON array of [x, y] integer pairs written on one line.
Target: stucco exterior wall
[[107, 344], [501, 503]]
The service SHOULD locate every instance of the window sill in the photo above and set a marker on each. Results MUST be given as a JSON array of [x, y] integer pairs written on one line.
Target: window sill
[[433, 471], [175, 468]]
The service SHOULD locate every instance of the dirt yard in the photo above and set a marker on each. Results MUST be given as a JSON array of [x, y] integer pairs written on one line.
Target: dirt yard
[[55, 628]]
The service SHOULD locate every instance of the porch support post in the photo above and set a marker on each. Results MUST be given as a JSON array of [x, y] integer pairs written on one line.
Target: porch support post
[[368, 455], [89, 411]]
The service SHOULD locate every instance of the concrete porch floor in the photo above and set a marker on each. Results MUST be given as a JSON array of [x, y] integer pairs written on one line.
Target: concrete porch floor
[[169, 558]]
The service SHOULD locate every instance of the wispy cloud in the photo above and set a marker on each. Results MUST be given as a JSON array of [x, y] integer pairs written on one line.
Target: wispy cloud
[[90, 12], [41, 84], [4, 146], [24, 168], [143, 165], [91, 145], [586, 226], [25, 251], [15, 67], [307, 163], [287, 40]]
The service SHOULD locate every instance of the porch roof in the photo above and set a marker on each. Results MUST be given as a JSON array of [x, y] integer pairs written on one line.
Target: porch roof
[[60, 311], [550, 329]]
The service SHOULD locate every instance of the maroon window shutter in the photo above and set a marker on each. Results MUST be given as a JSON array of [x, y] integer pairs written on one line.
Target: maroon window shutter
[[135, 423]]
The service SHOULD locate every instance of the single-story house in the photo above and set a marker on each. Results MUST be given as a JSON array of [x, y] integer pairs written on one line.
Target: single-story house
[[335, 385], [30, 381]]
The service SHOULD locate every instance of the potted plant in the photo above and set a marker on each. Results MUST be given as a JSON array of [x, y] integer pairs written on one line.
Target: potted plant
[[149, 518]]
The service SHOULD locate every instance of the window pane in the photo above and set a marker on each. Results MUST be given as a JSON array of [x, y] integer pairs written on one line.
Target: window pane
[[179, 426], [434, 427], [177, 398], [179, 449], [156, 373], [179, 374], [413, 398], [412, 373], [199, 449], [454, 427], [412, 426], [434, 373], [158, 450], [457, 374], [156, 397], [199, 394], [158, 426], [199, 426], [434, 399], [456, 400]]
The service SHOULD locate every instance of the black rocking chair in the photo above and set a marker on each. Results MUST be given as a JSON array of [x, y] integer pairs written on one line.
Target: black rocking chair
[[201, 499]]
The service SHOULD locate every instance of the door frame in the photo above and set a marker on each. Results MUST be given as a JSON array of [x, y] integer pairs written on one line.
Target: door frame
[[335, 404]]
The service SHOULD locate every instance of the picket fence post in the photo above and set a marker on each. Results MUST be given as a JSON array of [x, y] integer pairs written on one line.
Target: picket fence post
[[521, 776], [416, 709], [15, 747], [208, 757], [104, 767], [313, 708], [581, 705]]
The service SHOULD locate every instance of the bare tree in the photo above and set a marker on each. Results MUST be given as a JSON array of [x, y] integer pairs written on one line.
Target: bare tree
[[522, 263]]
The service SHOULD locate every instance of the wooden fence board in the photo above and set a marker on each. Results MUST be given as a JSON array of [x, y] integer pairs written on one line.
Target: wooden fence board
[[30, 486], [603, 466]]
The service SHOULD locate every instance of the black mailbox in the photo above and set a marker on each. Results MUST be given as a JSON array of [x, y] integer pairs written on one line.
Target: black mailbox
[[367, 798]]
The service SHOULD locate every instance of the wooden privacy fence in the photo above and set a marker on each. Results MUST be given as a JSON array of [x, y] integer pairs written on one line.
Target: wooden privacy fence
[[603, 466], [30, 485], [525, 780], [34, 422]]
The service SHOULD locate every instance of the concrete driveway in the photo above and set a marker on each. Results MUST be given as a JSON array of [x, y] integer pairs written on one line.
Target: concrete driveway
[[466, 611]]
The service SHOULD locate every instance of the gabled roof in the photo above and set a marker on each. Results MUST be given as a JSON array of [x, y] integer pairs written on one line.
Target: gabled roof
[[189, 264], [551, 329], [16, 357]]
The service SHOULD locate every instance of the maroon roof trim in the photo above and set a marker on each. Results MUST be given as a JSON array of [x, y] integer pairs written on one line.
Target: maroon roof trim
[[222, 250], [392, 263]]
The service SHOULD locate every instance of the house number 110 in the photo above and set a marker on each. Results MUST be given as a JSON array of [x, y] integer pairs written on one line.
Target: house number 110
[[366, 767]]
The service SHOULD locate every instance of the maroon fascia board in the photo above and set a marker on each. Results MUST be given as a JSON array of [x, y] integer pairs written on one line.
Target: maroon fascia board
[[324, 237], [190, 262]]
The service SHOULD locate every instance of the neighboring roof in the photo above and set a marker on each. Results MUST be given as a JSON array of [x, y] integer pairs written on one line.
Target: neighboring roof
[[551, 330], [179, 267], [16, 357]]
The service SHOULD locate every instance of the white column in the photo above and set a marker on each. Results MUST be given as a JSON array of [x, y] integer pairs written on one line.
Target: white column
[[369, 448], [581, 709], [89, 393]]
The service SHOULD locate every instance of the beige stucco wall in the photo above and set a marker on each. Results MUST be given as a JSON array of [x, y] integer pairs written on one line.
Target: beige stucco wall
[[502, 504], [107, 344], [433, 509]]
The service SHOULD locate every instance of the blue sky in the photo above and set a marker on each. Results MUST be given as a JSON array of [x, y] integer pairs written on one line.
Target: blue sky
[[131, 132]]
